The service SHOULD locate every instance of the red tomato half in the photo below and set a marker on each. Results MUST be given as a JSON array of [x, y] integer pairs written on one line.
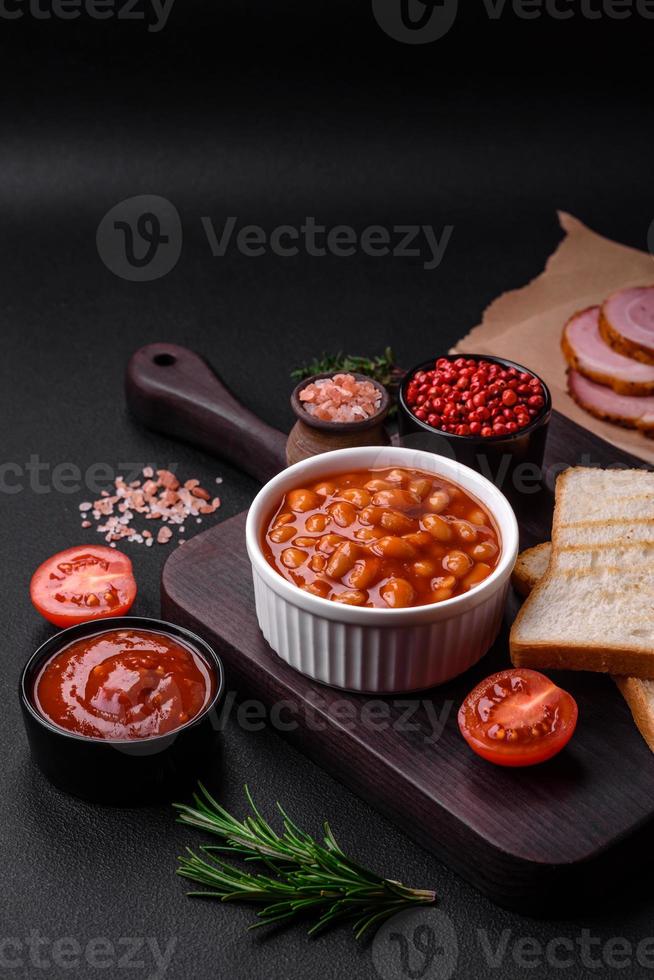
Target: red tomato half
[[83, 583], [517, 718]]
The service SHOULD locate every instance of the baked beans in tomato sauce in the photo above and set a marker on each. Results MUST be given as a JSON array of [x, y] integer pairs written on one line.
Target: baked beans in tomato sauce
[[383, 538]]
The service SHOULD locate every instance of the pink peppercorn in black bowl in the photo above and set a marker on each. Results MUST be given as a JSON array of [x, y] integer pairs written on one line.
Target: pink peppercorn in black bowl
[[472, 394]]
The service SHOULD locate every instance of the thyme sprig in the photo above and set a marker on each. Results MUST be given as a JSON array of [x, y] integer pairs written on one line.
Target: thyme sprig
[[382, 367], [303, 875]]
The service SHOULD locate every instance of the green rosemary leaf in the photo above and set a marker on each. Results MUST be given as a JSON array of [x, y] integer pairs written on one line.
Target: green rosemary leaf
[[277, 918], [366, 922], [303, 875]]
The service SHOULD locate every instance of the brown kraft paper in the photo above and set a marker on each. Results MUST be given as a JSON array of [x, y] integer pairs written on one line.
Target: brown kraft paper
[[525, 325]]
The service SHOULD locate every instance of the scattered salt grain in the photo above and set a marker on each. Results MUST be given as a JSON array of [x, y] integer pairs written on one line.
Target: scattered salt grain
[[158, 497], [341, 399]]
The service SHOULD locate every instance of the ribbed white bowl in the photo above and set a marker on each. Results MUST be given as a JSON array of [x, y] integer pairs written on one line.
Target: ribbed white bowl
[[379, 650]]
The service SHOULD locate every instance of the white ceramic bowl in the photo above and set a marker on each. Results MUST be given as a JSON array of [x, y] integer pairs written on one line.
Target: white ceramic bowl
[[379, 650]]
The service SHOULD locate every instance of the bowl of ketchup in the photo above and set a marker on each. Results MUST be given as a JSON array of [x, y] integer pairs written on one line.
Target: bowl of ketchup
[[123, 712]]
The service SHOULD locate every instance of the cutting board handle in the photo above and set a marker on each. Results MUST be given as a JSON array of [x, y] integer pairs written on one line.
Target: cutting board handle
[[173, 390]]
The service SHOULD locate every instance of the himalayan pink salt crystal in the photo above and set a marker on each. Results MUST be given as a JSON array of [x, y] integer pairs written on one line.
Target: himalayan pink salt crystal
[[341, 399], [309, 393]]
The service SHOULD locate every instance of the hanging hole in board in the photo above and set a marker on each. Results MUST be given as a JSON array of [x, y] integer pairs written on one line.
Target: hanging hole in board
[[164, 360]]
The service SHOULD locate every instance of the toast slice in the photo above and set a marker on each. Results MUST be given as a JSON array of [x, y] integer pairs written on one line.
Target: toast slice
[[638, 693], [593, 609], [530, 567]]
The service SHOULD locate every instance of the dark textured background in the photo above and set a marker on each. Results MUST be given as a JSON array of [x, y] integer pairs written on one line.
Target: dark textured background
[[267, 111]]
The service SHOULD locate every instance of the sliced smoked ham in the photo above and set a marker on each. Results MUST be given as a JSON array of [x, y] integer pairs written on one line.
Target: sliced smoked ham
[[604, 403], [627, 322], [586, 352]]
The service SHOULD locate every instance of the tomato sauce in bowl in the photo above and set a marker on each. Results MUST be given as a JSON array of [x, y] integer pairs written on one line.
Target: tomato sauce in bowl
[[124, 684], [383, 538]]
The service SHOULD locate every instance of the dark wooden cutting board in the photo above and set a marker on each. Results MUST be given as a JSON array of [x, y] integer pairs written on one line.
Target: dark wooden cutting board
[[521, 836], [530, 839]]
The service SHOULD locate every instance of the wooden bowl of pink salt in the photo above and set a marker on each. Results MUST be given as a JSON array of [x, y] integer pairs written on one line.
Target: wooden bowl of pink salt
[[336, 411]]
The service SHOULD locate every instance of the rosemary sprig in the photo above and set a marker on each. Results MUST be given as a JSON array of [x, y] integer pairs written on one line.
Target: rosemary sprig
[[382, 367], [304, 875]]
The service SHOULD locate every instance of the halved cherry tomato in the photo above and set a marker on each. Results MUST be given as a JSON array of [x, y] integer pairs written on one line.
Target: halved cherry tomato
[[517, 718], [84, 583]]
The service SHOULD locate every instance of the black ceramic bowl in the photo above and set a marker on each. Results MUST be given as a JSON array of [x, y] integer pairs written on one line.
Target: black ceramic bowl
[[121, 772], [510, 461]]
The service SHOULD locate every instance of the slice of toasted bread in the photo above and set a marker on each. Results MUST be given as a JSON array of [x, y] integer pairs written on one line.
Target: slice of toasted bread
[[530, 567], [639, 694], [593, 609]]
